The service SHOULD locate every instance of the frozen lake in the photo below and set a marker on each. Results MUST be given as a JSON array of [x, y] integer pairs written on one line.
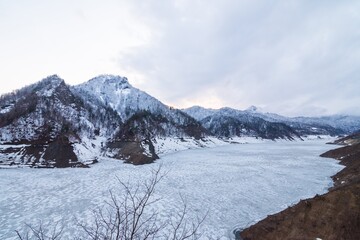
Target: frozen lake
[[237, 184]]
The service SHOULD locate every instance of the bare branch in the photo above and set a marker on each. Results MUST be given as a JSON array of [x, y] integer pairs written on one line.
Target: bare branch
[[41, 233], [128, 215]]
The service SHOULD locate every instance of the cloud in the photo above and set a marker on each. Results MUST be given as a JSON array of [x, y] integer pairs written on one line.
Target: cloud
[[292, 57], [289, 57]]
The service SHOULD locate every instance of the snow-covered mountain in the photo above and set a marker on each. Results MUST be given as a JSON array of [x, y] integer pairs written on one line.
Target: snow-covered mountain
[[44, 123], [52, 124], [330, 125], [228, 122], [346, 123], [144, 118], [199, 113], [117, 93]]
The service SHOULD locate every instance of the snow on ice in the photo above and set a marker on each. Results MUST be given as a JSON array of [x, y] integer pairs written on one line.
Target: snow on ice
[[238, 184]]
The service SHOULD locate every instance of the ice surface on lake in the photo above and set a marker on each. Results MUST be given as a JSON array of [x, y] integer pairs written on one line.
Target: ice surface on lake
[[237, 184]]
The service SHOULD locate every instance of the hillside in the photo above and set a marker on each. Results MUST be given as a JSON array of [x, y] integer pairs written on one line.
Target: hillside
[[144, 118], [50, 124], [44, 122], [215, 119]]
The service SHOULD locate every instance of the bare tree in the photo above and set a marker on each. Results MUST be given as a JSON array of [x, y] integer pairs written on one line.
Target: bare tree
[[41, 232], [130, 214], [183, 228]]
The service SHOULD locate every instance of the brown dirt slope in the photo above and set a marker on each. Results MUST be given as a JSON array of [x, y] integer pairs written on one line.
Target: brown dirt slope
[[334, 215], [350, 157], [349, 140]]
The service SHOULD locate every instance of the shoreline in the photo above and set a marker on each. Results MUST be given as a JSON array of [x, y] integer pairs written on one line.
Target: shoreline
[[333, 215]]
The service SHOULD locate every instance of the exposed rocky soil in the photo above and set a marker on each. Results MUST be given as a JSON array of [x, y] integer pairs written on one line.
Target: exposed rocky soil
[[349, 140], [334, 215], [134, 151]]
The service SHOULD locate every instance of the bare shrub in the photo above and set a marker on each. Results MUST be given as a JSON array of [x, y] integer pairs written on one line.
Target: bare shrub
[[41, 232], [131, 214]]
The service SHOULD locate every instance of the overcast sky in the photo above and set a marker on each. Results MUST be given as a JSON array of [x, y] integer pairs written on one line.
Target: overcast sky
[[288, 57]]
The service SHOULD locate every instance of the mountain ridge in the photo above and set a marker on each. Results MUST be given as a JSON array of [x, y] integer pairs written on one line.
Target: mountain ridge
[[83, 122], [107, 116], [331, 125]]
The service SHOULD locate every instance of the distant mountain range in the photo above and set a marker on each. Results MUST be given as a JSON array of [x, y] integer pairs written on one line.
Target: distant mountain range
[[216, 120], [52, 124]]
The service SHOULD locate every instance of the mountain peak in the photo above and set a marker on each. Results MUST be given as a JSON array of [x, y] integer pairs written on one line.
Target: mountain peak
[[115, 80], [199, 112], [116, 92], [53, 80], [252, 109], [47, 86]]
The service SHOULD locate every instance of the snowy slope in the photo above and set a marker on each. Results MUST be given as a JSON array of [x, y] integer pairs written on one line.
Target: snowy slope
[[336, 124], [144, 118], [105, 115], [228, 122], [127, 101], [199, 113], [116, 92], [50, 120], [346, 123], [52, 124], [330, 125]]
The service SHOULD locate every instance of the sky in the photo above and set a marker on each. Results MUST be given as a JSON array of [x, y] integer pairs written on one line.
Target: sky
[[289, 57]]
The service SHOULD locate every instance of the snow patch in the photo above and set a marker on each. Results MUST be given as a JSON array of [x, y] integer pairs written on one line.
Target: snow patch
[[166, 145], [88, 149], [6, 109]]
